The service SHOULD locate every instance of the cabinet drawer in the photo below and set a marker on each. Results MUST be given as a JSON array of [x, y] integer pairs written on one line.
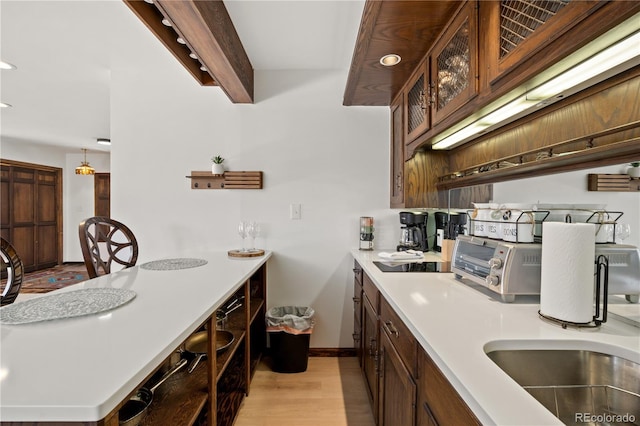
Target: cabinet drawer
[[399, 335], [371, 291], [357, 272], [436, 393]]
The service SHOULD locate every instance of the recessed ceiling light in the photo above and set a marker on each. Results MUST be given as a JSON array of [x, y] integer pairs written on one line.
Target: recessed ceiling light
[[166, 22], [149, 1], [7, 66], [203, 68], [3, 105], [193, 55], [181, 40], [390, 60], [104, 141]]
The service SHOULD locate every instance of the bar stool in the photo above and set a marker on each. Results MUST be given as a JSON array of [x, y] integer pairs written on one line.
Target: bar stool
[[105, 241]]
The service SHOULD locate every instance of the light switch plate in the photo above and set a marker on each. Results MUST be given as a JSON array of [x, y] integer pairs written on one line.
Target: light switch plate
[[295, 211]]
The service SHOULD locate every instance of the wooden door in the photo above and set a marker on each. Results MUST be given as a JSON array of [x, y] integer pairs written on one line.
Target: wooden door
[[454, 64], [370, 331], [32, 212], [102, 194], [397, 400], [416, 103], [397, 153]]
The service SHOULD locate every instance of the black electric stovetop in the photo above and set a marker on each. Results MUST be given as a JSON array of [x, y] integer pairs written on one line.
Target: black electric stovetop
[[390, 266]]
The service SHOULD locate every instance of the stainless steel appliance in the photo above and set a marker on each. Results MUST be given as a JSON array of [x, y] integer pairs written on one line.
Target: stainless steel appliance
[[511, 269], [414, 231]]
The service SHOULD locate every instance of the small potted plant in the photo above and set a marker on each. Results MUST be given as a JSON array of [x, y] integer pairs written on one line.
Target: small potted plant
[[217, 168], [634, 170]]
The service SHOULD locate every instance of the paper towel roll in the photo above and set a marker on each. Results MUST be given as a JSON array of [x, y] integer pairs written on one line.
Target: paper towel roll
[[567, 271]]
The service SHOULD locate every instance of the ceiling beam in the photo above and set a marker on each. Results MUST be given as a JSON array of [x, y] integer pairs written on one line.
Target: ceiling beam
[[210, 34]]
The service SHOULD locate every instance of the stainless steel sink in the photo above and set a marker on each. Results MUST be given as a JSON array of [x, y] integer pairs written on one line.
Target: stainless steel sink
[[578, 386]]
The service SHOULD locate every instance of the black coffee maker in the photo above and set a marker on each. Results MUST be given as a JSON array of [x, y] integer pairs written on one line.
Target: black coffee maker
[[448, 227], [413, 231]]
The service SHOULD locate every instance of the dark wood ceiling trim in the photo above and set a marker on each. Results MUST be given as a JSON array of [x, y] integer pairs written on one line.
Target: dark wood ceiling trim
[[407, 28], [207, 27], [365, 35]]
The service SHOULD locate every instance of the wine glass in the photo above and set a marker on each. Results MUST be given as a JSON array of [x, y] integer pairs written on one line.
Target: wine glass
[[623, 231], [242, 231], [253, 231]]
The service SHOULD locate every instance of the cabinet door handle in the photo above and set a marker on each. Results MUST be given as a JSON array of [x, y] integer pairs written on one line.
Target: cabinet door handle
[[356, 300], [356, 337], [372, 348], [392, 329], [380, 364], [432, 94], [422, 100]]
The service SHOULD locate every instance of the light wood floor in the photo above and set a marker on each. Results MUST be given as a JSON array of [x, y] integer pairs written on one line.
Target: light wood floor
[[331, 392]]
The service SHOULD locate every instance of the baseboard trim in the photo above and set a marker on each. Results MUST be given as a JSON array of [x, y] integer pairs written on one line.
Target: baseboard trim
[[332, 352]]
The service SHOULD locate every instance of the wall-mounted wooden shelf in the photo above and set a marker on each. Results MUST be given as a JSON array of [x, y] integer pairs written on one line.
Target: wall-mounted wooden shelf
[[229, 180], [611, 182]]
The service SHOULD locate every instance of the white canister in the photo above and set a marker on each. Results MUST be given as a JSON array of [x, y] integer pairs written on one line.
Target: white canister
[[482, 215], [494, 223], [518, 223]]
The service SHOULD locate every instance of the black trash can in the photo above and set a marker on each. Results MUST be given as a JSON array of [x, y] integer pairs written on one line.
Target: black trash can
[[290, 329]]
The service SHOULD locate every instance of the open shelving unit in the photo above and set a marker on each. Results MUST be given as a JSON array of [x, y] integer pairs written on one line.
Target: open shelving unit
[[185, 398]]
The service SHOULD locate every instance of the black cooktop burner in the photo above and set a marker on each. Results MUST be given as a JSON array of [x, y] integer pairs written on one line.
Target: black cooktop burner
[[389, 266]]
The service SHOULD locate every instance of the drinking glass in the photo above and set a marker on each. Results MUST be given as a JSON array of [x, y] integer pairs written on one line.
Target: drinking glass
[[242, 231], [253, 230], [623, 231]]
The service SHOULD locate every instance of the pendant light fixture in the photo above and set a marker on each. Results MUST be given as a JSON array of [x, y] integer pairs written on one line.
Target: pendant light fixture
[[85, 168]]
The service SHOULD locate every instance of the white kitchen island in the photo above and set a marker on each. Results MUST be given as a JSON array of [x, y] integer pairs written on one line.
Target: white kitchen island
[[81, 369], [456, 324]]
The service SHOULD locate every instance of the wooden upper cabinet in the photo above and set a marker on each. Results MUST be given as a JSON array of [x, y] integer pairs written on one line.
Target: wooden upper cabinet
[[397, 153], [515, 30], [454, 64], [416, 102]]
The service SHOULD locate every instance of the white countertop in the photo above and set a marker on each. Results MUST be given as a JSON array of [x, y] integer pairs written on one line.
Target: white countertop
[[456, 323], [80, 369]]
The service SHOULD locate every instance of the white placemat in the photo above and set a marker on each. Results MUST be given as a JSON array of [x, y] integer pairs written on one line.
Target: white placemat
[[86, 301], [172, 264]]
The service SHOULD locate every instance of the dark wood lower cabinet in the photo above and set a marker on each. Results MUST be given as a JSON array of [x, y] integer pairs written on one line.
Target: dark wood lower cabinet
[[370, 330], [357, 311], [439, 402], [397, 395], [403, 390]]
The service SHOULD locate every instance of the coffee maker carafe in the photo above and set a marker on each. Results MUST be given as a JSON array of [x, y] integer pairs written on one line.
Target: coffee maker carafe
[[413, 233]]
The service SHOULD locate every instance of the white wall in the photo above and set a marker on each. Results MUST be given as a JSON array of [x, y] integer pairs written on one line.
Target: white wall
[[77, 190], [79, 201], [331, 159]]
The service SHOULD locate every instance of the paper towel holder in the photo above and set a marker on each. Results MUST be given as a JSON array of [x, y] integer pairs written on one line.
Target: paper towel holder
[[602, 282]]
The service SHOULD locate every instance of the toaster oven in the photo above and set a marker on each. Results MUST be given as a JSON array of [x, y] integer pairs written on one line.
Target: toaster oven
[[512, 269]]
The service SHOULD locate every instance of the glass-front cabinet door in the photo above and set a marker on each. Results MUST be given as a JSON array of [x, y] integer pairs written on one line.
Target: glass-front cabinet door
[[454, 69], [416, 102]]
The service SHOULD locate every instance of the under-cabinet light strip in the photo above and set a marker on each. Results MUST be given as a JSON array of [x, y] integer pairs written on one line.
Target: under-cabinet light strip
[[615, 55]]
